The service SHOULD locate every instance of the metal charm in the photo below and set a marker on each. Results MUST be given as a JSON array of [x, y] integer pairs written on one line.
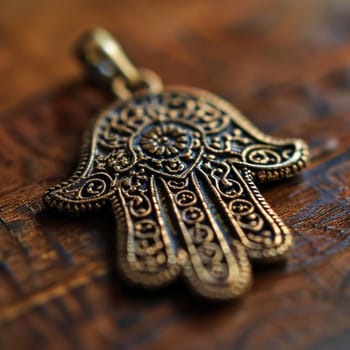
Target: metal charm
[[179, 168]]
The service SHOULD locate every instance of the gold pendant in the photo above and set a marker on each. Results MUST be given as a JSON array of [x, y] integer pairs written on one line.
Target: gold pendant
[[179, 167]]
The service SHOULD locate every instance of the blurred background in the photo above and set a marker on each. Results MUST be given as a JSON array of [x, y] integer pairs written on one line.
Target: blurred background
[[230, 46], [284, 63]]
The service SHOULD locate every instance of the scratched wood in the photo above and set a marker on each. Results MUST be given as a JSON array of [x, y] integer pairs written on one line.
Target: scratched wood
[[284, 63]]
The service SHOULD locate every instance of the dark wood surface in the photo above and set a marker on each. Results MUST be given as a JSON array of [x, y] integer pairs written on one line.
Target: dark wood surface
[[285, 64]]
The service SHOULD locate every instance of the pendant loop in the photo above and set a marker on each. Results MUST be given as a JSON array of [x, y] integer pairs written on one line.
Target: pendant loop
[[104, 57], [148, 80]]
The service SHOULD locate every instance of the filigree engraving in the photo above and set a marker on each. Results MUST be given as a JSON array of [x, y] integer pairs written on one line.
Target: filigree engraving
[[179, 169]]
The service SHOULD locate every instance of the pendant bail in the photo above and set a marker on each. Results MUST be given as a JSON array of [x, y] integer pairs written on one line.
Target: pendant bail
[[102, 53], [105, 60]]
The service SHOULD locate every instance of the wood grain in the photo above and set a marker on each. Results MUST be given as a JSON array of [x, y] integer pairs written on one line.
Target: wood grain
[[284, 63]]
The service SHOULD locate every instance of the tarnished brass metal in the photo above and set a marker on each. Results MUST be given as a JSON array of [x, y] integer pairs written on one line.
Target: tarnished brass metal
[[100, 52], [179, 168], [148, 79], [105, 59]]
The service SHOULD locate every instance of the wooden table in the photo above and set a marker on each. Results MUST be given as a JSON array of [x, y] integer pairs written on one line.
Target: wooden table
[[284, 63]]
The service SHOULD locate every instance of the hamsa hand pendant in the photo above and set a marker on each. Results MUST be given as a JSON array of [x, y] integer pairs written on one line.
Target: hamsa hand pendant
[[179, 169]]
